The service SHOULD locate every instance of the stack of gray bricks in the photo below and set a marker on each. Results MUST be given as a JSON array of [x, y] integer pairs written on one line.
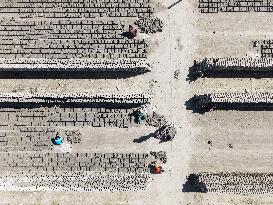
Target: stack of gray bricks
[[238, 183], [245, 97]]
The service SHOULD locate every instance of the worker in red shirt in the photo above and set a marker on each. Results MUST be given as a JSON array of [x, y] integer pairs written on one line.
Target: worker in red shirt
[[156, 169]]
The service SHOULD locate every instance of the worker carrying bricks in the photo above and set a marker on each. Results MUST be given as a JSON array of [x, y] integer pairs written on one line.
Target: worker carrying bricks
[[132, 33], [166, 133], [156, 168], [58, 140]]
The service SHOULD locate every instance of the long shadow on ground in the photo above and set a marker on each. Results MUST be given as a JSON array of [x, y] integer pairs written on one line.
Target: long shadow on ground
[[144, 138]]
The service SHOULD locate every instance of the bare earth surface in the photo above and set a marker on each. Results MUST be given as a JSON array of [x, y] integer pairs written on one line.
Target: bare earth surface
[[240, 141]]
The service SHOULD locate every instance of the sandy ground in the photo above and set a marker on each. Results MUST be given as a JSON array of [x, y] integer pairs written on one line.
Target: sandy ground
[[248, 133], [187, 35]]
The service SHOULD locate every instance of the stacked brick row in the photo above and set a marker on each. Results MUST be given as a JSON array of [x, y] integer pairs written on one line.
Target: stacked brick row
[[138, 98], [238, 183], [216, 6], [226, 97], [79, 64], [233, 101], [224, 67]]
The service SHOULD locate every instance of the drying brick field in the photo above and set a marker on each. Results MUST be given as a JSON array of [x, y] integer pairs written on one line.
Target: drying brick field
[[200, 70]]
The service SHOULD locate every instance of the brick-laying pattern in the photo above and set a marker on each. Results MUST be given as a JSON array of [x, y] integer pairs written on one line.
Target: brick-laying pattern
[[29, 162], [74, 171], [150, 25], [72, 9], [231, 66], [215, 6], [233, 183], [26, 139], [29, 120], [35, 138], [66, 39], [100, 162], [76, 35]]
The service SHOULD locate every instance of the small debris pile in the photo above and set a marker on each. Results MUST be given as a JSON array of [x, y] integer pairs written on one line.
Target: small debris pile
[[73, 137], [166, 133], [233, 63], [161, 155], [177, 74], [150, 25]]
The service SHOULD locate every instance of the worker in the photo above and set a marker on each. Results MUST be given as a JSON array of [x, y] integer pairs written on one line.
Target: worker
[[156, 169], [132, 31], [139, 116], [58, 140]]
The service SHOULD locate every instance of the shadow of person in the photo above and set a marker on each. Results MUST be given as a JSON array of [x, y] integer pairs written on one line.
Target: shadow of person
[[144, 138], [56, 141], [53, 141], [128, 35], [150, 168]]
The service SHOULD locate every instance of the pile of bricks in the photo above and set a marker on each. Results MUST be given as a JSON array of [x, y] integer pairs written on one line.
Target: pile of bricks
[[237, 183], [236, 97], [215, 6]]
